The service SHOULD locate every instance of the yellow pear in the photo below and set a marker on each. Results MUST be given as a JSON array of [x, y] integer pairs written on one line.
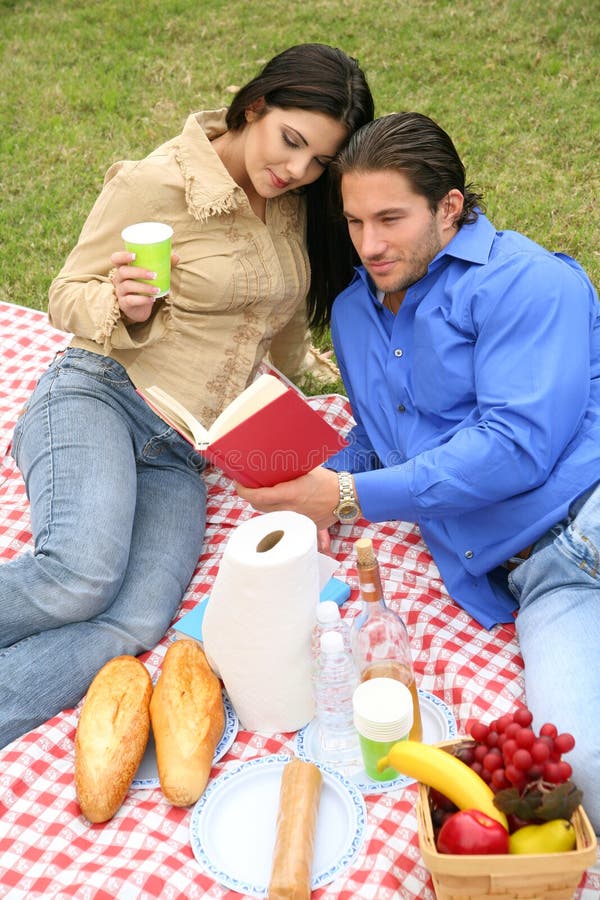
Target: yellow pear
[[555, 836]]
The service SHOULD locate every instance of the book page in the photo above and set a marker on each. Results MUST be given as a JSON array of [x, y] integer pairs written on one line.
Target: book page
[[262, 391], [178, 416]]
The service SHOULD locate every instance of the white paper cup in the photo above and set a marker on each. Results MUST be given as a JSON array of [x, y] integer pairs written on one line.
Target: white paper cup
[[383, 715], [151, 243]]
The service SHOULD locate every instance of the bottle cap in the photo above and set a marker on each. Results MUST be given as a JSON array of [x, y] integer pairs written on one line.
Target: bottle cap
[[327, 612], [332, 642], [383, 709]]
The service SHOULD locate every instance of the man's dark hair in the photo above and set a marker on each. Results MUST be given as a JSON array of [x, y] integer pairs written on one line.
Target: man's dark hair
[[415, 145]]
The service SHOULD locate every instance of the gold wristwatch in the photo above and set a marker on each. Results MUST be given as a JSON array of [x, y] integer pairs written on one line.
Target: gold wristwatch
[[348, 509]]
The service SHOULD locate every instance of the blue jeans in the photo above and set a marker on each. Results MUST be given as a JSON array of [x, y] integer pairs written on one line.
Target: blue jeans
[[558, 626], [118, 511]]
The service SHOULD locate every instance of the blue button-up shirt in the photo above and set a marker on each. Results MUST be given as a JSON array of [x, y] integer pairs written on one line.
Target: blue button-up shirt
[[477, 405]]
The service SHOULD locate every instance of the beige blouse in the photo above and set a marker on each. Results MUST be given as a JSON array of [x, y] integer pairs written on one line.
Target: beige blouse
[[238, 291]]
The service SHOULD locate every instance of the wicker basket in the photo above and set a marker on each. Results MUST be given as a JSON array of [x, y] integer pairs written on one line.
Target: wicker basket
[[545, 876]]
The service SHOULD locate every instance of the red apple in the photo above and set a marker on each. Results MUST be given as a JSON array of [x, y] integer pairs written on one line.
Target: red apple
[[471, 831]]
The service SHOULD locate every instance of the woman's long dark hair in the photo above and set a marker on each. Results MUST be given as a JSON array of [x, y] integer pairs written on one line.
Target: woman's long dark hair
[[323, 79]]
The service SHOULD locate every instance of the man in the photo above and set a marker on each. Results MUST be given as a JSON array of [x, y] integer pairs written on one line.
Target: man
[[471, 358]]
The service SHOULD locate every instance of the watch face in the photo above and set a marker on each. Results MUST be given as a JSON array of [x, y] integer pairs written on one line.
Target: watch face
[[347, 511]]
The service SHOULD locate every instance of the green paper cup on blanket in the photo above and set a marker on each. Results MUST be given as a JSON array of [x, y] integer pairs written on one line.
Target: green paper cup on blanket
[[383, 715], [151, 243]]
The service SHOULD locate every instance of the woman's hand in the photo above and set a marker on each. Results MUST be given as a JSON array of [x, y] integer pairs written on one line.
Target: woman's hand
[[135, 298], [314, 495]]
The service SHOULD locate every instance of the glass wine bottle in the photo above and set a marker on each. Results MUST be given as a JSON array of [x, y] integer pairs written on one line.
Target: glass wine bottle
[[380, 642]]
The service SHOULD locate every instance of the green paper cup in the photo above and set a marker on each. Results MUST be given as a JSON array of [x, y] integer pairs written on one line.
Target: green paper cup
[[151, 243], [383, 715], [372, 752]]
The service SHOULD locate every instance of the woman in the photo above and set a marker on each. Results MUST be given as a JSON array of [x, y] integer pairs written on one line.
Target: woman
[[117, 498]]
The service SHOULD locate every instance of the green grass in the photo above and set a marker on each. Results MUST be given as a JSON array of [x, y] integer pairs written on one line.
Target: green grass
[[87, 82]]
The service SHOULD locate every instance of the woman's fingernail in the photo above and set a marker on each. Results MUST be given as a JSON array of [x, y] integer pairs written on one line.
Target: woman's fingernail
[[151, 275]]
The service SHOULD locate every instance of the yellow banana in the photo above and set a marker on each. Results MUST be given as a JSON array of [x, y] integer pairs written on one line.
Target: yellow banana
[[444, 772]]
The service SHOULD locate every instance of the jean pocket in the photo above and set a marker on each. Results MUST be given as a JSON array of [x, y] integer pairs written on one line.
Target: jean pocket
[[172, 442], [582, 548], [157, 445]]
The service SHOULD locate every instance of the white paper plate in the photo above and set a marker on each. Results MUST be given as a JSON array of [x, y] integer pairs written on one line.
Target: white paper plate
[[439, 724], [233, 826], [146, 776]]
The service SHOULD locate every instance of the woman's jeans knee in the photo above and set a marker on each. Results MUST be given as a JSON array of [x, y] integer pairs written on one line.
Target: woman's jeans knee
[[118, 515]]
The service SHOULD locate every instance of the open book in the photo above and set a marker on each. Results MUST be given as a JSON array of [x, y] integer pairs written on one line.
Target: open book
[[268, 434]]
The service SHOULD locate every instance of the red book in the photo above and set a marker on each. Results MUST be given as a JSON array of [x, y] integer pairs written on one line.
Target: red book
[[266, 435]]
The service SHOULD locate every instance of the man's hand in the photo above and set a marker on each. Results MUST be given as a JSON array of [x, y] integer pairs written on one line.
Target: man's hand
[[314, 495]]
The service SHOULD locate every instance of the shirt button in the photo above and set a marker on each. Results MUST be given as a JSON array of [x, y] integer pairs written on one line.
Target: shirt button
[[469, 554], [401, 407], [398, 352]]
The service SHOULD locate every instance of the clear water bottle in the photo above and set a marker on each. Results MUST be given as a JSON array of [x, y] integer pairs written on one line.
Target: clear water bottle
[[329, 619], [334, 684]]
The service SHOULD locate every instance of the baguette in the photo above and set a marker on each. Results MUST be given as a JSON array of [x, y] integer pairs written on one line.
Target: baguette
[[187, 720], [299, 799], [111, 736]]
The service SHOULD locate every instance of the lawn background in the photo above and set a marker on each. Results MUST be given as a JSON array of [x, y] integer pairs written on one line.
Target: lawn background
[[87, 83]]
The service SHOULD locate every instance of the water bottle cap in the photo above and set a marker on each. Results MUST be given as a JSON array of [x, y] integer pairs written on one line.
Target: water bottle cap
[[327, 612], [332, 642]]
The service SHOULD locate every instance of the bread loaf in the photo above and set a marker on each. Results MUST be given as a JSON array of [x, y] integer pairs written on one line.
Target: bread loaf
[[111, 736], [299, 799], [187, 720]]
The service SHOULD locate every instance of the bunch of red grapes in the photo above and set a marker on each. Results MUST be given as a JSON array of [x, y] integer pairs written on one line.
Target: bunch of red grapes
[[507, 752]]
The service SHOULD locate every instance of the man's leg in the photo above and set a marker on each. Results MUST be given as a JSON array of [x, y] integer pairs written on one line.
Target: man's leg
[[558, 626]]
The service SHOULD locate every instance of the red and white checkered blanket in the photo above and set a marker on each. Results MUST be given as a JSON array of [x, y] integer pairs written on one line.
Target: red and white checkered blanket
[[48, 849]]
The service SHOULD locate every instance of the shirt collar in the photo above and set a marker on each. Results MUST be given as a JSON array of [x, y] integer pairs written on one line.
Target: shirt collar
[[472, 243], [210, 189]]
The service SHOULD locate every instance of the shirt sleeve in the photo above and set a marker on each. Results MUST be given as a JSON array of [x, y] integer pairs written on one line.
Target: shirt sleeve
[[359, 455], [81, 298], [531, 370]]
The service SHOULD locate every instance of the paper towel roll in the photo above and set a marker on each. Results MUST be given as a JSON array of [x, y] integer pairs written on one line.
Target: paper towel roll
[[257, 626]]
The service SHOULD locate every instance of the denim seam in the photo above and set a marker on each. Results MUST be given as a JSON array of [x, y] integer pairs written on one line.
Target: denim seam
[[103, 369], [49, 505]]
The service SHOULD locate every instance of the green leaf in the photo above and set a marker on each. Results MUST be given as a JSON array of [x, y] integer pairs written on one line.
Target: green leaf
[[560, 802], [540, 801], [511, 802]]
